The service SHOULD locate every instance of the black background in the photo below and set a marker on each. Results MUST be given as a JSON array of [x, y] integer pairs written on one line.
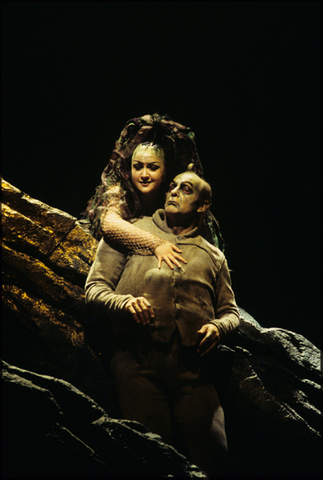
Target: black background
[[243, 75]]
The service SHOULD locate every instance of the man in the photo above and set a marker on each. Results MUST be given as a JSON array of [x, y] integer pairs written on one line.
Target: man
[[165, 321]]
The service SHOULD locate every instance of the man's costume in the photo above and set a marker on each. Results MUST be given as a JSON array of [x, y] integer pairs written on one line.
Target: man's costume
[[158, 374]]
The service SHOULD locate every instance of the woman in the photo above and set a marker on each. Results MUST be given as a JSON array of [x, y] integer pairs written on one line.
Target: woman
[[150, 152]]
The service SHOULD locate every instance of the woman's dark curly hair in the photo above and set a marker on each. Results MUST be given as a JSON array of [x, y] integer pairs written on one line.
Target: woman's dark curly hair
[[178, 143]]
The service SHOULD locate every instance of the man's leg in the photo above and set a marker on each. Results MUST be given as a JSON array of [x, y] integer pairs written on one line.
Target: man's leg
[[140, 398], [199, 416]]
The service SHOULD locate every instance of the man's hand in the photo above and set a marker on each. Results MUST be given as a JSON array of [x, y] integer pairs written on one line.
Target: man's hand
[[170, 254], [140, 309], [210, 338]]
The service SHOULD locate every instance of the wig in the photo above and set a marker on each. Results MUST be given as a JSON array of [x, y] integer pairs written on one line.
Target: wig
[[178, 144]]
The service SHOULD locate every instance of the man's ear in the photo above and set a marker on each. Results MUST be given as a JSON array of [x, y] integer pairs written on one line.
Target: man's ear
[[203, 206]]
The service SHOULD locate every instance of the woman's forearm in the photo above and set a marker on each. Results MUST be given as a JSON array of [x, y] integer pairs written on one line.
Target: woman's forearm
[[115, 228]]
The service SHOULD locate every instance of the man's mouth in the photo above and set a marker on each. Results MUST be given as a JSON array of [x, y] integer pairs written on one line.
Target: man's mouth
[[172, 202]]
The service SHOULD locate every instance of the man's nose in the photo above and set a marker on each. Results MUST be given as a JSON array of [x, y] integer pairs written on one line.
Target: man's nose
[[174, 192]]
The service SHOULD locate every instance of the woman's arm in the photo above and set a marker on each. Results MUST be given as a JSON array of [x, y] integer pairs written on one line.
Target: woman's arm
[[139, 241]]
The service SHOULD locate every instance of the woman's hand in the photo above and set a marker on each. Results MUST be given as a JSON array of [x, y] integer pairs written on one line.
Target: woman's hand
[[170, 254], [140, 309]]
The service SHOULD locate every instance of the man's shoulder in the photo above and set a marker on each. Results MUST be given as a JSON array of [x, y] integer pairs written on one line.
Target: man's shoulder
[[155, 224], [216, 255], [147, 224], [143, 222], [212, 248]]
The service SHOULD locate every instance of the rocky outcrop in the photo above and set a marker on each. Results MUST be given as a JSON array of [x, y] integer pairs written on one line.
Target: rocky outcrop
[[46, 256], [53, 429], [58, 397], [271, 393]]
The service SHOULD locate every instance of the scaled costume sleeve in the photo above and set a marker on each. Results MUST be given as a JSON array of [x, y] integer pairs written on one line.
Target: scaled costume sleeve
[[115, 228]]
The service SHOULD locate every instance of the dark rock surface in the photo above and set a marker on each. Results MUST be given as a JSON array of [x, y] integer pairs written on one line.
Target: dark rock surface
[[46, 256], [271, 393], [58, 399], [53, 429]]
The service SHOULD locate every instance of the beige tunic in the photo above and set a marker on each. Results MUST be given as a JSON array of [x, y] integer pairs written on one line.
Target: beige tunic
[[188, 297]]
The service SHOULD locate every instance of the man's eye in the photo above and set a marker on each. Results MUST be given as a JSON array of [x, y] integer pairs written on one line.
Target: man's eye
[[171, 186], [187, 189]]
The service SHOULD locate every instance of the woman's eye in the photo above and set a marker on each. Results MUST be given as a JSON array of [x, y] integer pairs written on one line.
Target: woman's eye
[[137, 167], [154, 167]]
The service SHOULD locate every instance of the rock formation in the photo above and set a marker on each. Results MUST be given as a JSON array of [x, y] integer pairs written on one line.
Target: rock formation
[[46, 257], [53, 429], [58, 396]]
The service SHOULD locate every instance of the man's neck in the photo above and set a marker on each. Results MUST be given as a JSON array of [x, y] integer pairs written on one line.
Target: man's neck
[[180, 226]]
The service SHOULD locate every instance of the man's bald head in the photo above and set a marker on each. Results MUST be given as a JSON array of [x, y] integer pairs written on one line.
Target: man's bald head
[[187, 200]]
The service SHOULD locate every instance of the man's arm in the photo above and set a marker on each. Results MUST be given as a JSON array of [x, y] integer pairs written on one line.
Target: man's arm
[[226, 311], [102, 280], [227, 317], [101, 283]]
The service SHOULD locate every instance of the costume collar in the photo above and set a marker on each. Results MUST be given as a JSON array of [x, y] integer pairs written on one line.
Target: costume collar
[[159, 218]]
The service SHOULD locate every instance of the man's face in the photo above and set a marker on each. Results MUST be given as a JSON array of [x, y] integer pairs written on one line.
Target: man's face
[[183, 195]]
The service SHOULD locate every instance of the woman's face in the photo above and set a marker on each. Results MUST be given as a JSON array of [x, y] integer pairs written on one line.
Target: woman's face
[[147, 171]]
